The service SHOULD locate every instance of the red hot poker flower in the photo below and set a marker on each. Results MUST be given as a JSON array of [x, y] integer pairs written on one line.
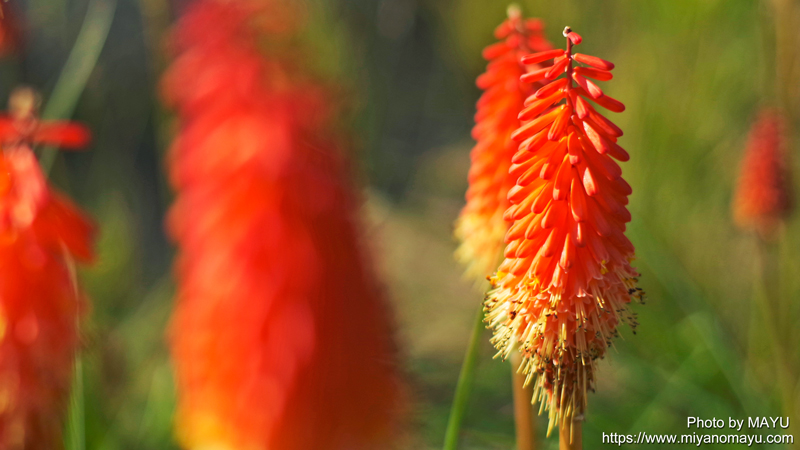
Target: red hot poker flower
[[566, 280], [40, 233], [280, 337], [763, 195], [480, 226]]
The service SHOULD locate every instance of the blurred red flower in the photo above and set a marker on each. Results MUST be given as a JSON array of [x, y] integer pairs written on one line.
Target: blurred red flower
[[41, 232], [280, 337], [480, 226], [566, 280], [22, 125], [763, 195], [9, 30]]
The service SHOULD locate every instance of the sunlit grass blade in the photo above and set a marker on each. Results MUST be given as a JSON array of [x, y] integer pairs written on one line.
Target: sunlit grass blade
[[768, 300], [75, 438], [466, 380], [75, 74], [76, 420]]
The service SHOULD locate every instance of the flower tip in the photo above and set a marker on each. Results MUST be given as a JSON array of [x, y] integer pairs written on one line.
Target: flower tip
[[514, 11], [573, 37]]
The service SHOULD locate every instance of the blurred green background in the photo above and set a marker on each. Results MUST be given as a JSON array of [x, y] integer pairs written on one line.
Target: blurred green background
[[692, 73]]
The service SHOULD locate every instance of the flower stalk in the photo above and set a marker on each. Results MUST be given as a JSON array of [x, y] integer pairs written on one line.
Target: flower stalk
[[524, 419], [570, 437]]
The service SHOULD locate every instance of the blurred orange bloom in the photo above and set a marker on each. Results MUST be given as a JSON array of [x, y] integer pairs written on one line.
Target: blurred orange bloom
[[40, 234], [480, 226], [280, 339], [566, 280], [763, 195]]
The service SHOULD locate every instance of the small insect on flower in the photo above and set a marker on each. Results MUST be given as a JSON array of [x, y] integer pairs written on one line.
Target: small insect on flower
[[41, 233], [763, 196], [480, 226], [566, 280]]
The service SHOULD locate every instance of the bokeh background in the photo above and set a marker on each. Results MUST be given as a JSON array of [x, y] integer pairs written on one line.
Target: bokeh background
[[692, 73]]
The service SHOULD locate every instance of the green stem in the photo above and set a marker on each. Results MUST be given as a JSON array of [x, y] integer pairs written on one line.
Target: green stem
[[76, 422], [76, 418], [465, 381], [769, 301], [784, 15], [79, 66]]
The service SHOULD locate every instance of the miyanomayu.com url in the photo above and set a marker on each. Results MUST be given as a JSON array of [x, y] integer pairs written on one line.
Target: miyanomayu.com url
[[696, 439]]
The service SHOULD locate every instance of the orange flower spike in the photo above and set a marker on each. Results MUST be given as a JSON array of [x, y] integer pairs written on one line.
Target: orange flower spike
[[480, 226], [280, 338], [566, 282], [41, 232], [763, 194]]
